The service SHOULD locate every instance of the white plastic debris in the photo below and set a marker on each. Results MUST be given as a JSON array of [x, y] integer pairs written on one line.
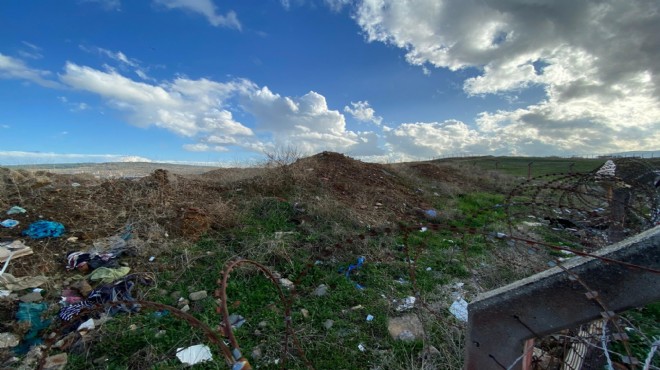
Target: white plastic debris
[[407, 304], [361, 347], [370, 317], [429, 268], [194, 354], [87, 325], [459, 309], [608, 169], [423, 229], [152, 258]]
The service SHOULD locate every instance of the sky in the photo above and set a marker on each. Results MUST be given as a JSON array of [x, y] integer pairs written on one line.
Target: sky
[[226, 81]]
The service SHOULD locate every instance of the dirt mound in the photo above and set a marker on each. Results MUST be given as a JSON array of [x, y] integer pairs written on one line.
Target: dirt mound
[[370, 190]]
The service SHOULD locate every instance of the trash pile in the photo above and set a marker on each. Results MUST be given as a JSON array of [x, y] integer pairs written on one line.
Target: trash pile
[[94, 278]]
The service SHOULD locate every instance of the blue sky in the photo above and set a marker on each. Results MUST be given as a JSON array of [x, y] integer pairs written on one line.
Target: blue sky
[[380, 80]]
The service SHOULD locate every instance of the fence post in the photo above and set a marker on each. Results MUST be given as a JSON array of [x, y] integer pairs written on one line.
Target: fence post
[[529, 170]]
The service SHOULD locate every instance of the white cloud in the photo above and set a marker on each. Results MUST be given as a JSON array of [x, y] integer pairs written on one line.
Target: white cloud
[[361, 111], [205, 8], [186, 107], [12, 68], [596, 60], [336, 5], [31, 51], [5, 126], [23, 157]]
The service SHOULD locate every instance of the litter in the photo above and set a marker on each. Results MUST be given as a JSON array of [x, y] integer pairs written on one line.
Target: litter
[[429, 269], [108, 275], [370, 317], [361, 347], [152, 258], [44, 229], [194, 354], [407, 304], [354, 267], [15, 210], [31, 313], [15, 249], [87, 325], [236, 321], [9, 282], [423, 229], [459, 309], [8, 340], [431, 213], [9, 223]]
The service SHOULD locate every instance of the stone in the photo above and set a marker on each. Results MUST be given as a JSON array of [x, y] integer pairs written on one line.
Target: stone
[[321, 290], [286, 283], [304, 312], [262, 324], [407, 327], [185, 308], [198, 296], [8, 340], [328, 324], [257, 354], [56, 362]]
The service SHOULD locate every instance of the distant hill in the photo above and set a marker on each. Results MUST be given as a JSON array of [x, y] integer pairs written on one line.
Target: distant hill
[[638, 153]]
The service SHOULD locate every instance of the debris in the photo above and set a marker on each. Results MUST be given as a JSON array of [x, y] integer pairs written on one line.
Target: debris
[[198, 296], [31, 297], [15, 249], [108, 275], [9, 223], [72, 239], [160, 313], [304, 312], [321, 290], [152, 258], [194, 354], [8, 340], [355, 267], [257, 353], [431, 213], [15, 210], [31, 314], [361, 347], [236, 321], [75, 184], [44, 229], [56, 362], [9, 282], [370, 317], [607, 170], [459, 309], [429, 268], [423, 229], [407, 304], [87, 325]]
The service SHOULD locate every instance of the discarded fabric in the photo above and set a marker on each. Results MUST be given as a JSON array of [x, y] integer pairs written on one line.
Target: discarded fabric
[[9, 282], [31, 313], [194, 354], [431, 213], [9, 223], [44, 229], [13, 250], [459, 309], [87, 260], [108, 275], [15, 210]]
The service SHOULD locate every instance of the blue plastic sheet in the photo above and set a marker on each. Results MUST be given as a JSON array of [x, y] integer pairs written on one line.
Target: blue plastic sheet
[[354, 267], [31, 313], [44, 229], [9, 223]]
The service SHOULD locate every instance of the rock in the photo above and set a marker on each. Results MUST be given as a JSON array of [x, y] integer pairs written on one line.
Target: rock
[[185, 308], [407, 327], [56, 362], [31, 297], [262, 324], [8, 340], [257, 354], [182, 302], [304, 312], [321, 290], [286, 283], [328, 324], [198, 296]]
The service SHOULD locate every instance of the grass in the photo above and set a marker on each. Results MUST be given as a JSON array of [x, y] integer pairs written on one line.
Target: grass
[[518, 166]]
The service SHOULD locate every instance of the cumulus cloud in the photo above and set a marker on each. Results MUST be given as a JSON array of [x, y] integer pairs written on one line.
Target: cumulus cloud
[[305, 122], [183, 106], [596, 60], [12, 68], [362, 112], [205, 8]]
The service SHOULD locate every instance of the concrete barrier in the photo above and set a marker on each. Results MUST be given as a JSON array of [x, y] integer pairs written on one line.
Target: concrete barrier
[[500, 321]]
